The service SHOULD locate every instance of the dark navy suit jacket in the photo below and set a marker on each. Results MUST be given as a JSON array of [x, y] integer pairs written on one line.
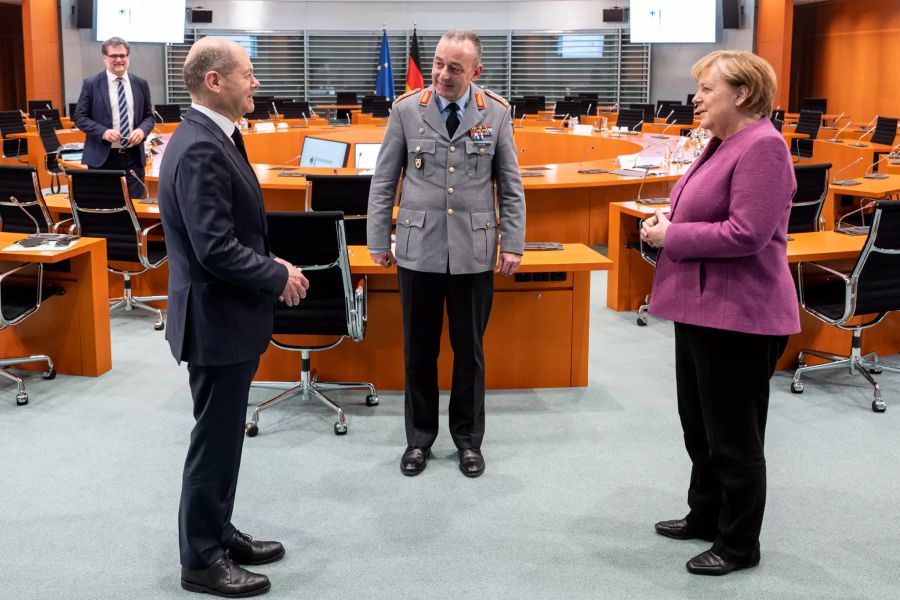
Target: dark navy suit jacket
[[93, 114], [222, 281]]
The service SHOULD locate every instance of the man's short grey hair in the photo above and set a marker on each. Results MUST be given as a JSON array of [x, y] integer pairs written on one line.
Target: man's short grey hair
[[219, 58], [114, 41], [462, 35]]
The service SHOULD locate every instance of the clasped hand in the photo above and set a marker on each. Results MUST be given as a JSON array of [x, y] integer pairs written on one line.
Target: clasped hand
[[653, 229], [112, 136], [296, 286]]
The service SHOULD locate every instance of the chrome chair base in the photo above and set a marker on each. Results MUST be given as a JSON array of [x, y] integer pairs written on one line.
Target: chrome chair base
[[866, 365], [21, 393], [130, 302], [642, 311], [309, 387]]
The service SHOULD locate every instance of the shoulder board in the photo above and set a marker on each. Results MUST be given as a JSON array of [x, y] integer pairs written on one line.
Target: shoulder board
[[407, 94], [425, 97], [497, 97]]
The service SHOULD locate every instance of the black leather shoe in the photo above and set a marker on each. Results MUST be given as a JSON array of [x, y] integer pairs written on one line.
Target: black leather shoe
[[679, 529], [414, 461], [245, 551], [710, 563], [471, 463], [225, 578]]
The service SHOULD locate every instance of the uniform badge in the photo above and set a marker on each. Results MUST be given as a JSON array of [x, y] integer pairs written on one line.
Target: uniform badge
[[479, 132], [419, 161]]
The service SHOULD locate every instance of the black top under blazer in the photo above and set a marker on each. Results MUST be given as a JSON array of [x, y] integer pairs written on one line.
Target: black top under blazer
[[222, 281]]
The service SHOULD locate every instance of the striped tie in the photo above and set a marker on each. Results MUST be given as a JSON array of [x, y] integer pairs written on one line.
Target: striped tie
[[124, 125]]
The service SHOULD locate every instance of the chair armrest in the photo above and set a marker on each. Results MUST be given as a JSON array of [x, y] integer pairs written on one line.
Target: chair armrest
[[802, 284], [147, 230], [37, 300], [70, 223]]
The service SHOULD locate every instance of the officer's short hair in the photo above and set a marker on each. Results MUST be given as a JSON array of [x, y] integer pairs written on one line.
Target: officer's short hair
[[461, 35], [114, 41]]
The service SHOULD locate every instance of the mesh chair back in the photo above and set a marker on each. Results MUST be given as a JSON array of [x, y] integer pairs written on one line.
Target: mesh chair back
[[260, 112], [570, 107], [809, 123], [344, 98], [817, 104], [885, 131], [47, 131], [102, 208], [778, 118], [294, 110], [539, 101], [72, 107], [690, 99], [683, 114], [11, 122], [648, 110], [22, 184], [629, 117], [170, 113], [806, 206], [306, 240], [348, 194], [664, 107], [377, 106], [35, 105], [525, 106], [878, 269], [48, 114]]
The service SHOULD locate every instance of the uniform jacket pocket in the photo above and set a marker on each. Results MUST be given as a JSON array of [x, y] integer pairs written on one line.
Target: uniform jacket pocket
[[421, 159], [410, 232], [484, 235], [479, 156]]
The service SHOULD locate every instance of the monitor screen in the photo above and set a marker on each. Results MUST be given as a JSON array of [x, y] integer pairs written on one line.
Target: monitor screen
[[160, 21], [673, 21], [323, 153], [366, 155]]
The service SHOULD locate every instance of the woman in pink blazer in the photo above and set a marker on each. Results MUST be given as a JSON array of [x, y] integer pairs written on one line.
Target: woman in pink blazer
[[722, 277]]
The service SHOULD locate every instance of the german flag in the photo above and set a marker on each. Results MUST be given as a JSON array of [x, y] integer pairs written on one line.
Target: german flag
[[414, 66]]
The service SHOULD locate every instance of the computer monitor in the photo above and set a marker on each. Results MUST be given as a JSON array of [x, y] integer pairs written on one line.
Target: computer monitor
[[317, 152], [366, 155]]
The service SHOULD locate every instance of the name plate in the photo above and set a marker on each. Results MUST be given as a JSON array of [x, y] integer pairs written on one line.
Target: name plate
[[583, 129], [264, 127]]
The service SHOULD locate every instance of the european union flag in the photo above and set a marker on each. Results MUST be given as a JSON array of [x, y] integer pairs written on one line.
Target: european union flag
[[384, 79]]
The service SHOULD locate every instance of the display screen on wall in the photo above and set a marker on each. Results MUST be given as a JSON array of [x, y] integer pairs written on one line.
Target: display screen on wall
[[673, 21], [160, 21]]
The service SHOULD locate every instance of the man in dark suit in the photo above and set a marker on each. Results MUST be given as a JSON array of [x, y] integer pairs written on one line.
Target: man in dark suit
[[115, 113], [222, 287]]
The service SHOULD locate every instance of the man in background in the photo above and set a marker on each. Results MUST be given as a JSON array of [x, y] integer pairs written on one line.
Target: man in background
[[115, 113]]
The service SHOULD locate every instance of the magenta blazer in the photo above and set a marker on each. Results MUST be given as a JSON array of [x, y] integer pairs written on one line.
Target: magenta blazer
[[723, 263]]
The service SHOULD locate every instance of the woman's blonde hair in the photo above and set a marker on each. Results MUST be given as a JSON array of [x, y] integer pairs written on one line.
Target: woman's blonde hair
[[739, 67]]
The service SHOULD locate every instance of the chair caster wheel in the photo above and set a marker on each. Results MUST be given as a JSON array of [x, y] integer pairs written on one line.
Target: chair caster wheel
[[251, 430], [21, 398], [159, 326], [878, 406], [796, 387], [641, 321], [372, 400], [49, 373], [340, 428]]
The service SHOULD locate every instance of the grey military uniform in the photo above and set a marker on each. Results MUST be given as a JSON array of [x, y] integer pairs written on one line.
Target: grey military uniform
[[448, 210]]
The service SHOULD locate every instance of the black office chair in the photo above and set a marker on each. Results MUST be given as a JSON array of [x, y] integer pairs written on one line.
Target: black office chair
[[648, 111], [539, 101], [681, 114], [526, 106], [650, 256], [809, 123], [571, 108], [170, 113], [260, 112], [11, 122], [295, 110], [664, 107], [378, 107], [35, 105], [102, 208], [690, 99], [48, 114], [344, 98], [47, 132], [815, 104], [806, 206], [629, 118], [348, 194], [333, 307], [72, 107], [885, 131], [871, 287], [777, 118], [22, 206], [21, 293]]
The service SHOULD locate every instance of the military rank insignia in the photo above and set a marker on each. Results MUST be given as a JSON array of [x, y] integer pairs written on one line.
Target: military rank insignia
[[419, 162], [479, 132]]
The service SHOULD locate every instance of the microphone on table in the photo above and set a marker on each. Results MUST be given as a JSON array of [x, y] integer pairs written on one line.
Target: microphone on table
[[835, 138], [158, 116], [874, 175], [305, 120], [633, 130], [835, 121], [642, 200], [565, 120], [284, 165], [521, 122], [143, 185], [662, 134], [277, 117], [589, 171], [859, 143], [894, 153], [659, 110], [836, 181], [588, 111], [349, 122]]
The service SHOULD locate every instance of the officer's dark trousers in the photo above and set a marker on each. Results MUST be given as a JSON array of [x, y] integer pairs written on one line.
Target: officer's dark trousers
[[723, 399], [468, 299], [213, 460]]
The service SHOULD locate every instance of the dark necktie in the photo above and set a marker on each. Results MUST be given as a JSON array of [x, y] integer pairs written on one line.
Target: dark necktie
[[239, 143], [452, 118], [124, 125]]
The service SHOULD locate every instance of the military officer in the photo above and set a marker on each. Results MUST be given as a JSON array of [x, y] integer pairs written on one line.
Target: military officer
[[452, 144]]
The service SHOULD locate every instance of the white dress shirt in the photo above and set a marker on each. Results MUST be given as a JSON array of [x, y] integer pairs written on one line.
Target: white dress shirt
[[224, 123], [114, 101]]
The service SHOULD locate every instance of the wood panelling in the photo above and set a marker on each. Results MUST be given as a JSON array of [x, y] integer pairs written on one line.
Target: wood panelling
[[40, 29], [12, 61], [845, 51], [774, 31]]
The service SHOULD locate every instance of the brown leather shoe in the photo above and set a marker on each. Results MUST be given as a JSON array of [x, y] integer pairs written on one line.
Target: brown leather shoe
[[471, 462], [225, 578], [710, 563], [247, 551], [414, 461], [679, 529]]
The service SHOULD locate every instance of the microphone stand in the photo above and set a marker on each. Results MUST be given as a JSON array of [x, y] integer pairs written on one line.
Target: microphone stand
[[859, 143], [846, 182], [875, 164], [589, 171]]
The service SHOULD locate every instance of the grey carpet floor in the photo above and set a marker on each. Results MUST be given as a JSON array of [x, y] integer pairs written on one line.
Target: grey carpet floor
[[575, 479]]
